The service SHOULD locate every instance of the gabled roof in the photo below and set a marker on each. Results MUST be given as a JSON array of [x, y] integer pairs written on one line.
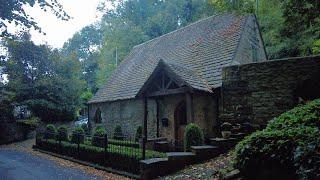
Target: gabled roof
[[195, 53]]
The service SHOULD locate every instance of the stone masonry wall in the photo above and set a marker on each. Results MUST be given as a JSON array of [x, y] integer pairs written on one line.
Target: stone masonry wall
[[128, 114], [258, 92]]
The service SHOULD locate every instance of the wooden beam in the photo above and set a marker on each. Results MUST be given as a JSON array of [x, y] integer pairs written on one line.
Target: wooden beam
[[157, 115], [145, 126], [168, 92], [189, 107]]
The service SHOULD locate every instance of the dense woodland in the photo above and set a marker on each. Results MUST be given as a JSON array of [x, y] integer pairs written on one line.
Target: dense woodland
[[55, 83]]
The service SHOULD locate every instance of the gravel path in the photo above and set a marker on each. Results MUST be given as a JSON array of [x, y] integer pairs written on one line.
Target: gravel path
[[212, 169], [19, 162]]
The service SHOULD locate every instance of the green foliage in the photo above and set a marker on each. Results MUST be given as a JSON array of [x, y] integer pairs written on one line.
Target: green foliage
[[306, 115], [63, 133], [32, 122], [51, 131], [138, 134], [288, 147], [13, 12], [98, 136], [316, 47], [77, 135], [44, 81], [118, 135], [193, 136]]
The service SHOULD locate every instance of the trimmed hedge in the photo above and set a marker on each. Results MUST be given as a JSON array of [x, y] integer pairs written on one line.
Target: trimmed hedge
[[124, 143], [193, 136], [287, 149], [127, 159]]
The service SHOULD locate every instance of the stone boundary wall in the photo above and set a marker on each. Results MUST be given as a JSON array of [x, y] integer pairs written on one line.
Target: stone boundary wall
[[258, 92]]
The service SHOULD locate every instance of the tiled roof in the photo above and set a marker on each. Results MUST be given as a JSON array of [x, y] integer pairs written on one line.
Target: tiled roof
[[196, 53]]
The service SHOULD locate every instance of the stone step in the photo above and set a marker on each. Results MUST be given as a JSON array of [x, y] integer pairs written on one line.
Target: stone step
[[205, 152], [224, 144]]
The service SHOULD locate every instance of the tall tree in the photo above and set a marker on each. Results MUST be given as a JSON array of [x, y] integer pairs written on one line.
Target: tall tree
[[44, 81], [12, 11]]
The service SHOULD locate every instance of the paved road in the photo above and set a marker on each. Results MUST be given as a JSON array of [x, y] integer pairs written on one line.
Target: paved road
[[16, 165]]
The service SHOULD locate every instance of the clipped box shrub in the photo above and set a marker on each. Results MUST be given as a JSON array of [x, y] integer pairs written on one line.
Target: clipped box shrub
[[98, 136], [77, 135], [138, 134], [62, 133], [50, 132], [193, 136], [118, 135], [287, 149]]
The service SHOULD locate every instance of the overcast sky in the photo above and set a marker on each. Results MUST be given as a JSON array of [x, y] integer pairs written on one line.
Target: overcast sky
[[83, 12]]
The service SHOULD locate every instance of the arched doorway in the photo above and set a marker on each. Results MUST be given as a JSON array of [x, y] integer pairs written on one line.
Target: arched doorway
[[180, 120], [97, 116]]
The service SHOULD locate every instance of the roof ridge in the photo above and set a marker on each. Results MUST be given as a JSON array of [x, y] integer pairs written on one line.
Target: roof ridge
[[185, 27]]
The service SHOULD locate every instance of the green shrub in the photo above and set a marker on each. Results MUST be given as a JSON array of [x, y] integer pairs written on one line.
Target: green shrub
[[138, 134], [118, 135], [193, 136], [50, 132], [306, 115], [63, 133], [77, 135], [98, 136], [287, 149]]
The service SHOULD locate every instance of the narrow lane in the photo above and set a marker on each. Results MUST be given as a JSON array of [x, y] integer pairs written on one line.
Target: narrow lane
[[17, 165]]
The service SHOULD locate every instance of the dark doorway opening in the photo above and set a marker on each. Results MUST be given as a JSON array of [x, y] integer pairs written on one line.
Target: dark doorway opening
[[180, 120], [97, 116]]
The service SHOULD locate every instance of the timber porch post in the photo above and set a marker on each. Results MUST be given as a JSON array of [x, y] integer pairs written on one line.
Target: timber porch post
[[145, 126], [189, 108]]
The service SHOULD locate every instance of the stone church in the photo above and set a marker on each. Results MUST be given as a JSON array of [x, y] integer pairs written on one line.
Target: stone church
[[177, 78]]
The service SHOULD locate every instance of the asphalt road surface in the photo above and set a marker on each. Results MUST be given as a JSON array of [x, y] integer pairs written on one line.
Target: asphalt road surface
[[17, 165]]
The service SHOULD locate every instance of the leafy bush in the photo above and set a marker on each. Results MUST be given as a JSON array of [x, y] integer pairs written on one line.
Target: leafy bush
[[63, 133], [307, 115], [193, 136], [118, 135], [31, 123], [138, 134], [77, 135], [288, 148], [98, 136], [50, 132]]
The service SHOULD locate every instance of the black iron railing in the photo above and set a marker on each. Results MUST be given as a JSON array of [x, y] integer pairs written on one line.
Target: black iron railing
[[122, 154]]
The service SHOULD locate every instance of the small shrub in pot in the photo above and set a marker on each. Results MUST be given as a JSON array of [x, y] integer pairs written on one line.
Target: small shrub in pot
[[226, 130], [77, 135], [50, 132], [193, 136], [118, 135], [63, 133], [98, 136]]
